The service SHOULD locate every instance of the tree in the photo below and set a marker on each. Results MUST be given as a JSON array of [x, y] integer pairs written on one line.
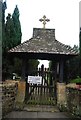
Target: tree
[[80, 42], [72, 66], [32, 66], [10, 33], [4, 7], [17, 66], [17, 26], [17, 38], [80, 53], [11, 38], [8, 43]]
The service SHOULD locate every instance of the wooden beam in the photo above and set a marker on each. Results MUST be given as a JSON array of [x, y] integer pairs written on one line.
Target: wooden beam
[[61, 71]]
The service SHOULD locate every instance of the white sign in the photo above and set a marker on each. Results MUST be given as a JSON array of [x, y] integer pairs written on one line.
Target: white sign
[[35, 79]]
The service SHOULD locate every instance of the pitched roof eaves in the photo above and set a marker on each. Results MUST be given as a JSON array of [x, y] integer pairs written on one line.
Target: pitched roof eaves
[[20, 45]]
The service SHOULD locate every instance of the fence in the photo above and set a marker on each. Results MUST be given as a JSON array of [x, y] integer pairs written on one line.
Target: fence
[[41, 95], [47, 75], [45, 92]]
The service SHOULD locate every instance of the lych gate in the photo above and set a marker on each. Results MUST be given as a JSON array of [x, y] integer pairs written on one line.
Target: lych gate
[[44, 46]]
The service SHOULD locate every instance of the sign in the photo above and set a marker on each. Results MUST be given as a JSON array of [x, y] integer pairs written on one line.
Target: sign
[[35, 79]]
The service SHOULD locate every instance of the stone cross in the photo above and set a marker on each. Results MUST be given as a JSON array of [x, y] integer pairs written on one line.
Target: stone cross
[[44, 20]]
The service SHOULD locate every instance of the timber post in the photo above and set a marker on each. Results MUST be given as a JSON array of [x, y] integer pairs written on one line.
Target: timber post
[[61, 71]]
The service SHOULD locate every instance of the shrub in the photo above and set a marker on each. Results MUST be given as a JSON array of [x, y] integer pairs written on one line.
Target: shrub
[[77, 80]]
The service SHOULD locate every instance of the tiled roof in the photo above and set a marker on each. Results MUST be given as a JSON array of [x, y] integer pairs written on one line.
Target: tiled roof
[[43, 41]]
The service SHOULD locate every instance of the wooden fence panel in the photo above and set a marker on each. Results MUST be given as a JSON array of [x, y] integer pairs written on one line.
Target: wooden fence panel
[[41, 95], [44, 93]]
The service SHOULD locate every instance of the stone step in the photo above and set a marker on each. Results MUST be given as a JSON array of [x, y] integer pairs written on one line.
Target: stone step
[[41, 108]]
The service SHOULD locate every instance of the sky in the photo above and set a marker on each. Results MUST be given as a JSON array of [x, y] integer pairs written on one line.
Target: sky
[[63, 15]]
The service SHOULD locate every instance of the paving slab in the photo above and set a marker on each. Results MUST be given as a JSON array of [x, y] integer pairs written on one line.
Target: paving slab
[[21, 114], [51, 115], [25, 114]]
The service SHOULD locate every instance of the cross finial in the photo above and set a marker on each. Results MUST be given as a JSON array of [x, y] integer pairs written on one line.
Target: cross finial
[[44, 20]]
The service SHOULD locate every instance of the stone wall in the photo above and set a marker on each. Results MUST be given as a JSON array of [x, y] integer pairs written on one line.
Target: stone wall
[[9, 92], [74, 101], [69, 98]]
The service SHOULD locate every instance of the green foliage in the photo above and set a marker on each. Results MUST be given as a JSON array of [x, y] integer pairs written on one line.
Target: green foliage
[[17, 66], [11, 37], [12, 31], [3, 24], [32, 66], [76, 48], [17, 26], [72, 66], [52, 64], [7, 68], [62, 108], [4, 7], [0, 34], [80, 53], [80, 42], [9, 32], [77, 80]]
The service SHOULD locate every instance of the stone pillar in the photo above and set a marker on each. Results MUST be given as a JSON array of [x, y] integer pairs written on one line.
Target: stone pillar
[[61, 94], [61, 71], [21, 92]]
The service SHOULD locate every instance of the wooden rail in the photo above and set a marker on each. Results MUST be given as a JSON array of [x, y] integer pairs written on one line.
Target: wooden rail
[[41, 95]]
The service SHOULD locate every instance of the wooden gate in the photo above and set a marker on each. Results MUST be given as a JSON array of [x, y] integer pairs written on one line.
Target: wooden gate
[[45, 93]]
